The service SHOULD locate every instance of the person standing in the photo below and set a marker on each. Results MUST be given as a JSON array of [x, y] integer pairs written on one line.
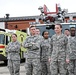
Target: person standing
[[37, 31], [67, 33], [13, 55], [32, 43], [60, 52], [72, 43], [45, 53]]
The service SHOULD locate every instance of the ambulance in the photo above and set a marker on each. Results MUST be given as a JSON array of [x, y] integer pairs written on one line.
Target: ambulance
[[5, 38]]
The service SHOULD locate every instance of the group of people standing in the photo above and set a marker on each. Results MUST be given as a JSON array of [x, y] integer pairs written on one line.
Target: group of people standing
[[45, 56], [71, 35]]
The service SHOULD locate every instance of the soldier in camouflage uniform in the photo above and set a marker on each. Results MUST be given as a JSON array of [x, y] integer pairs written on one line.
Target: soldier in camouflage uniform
[[45, 53], [67, 33], [72, 56], [13, 56], [37, 31], [32, 43], [60, 52]]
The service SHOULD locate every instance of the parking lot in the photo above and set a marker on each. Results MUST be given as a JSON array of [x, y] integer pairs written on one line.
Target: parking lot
[[4, 70]]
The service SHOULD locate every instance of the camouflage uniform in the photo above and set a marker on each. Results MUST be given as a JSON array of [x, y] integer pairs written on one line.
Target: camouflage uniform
[[32, 64], [13, 56], [72, 43], [45, 53], [68, 65], [59, 54]]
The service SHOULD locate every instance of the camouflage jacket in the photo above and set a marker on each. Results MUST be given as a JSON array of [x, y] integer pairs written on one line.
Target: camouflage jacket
[[13, 50], [72, 43], [59, 47], [32, 43], [45, 49]]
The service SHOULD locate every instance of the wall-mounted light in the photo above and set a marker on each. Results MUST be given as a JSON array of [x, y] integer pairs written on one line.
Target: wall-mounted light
[[7, 16], [16, 26]]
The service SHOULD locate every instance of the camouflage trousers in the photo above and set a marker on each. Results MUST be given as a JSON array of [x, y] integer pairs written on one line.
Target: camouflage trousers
[[14, 67], [45, 65], [58, 67], [72, 67], [33, 66]]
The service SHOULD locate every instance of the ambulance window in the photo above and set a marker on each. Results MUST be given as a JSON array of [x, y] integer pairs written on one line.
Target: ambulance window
[[8, 39], [21, 39], [23, 30], [2, 38], [22, 36]]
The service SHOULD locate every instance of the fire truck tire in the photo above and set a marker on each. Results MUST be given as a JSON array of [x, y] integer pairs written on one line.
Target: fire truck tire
[[5, 62]]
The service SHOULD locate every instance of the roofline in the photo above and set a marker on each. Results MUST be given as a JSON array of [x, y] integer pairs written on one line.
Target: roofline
[[19, 18], [23, 18]]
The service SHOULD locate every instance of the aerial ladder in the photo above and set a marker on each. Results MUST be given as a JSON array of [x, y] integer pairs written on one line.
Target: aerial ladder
[[49, 17]]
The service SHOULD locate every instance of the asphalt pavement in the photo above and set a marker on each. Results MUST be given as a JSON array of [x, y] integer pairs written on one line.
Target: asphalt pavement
[[4, 70]]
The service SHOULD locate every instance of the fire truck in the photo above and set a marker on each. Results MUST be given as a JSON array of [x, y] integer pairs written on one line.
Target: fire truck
[[51, 18]]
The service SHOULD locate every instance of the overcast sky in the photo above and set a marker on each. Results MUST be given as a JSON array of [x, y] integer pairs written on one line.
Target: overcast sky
[[17, 8]]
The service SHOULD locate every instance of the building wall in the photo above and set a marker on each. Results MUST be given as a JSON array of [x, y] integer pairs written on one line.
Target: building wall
[[22, 25], [19, 25]]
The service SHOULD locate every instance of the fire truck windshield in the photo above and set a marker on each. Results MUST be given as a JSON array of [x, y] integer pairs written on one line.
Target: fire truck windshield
[[2, 38]]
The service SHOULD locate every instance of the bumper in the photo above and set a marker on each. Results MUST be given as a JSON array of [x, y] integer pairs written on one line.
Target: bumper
[[2, 57]]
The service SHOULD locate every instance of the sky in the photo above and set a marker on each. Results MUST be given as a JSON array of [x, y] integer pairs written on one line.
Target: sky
[[18, 8]]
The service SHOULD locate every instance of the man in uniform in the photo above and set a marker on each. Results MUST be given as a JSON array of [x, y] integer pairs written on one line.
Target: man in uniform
[[72, 43], [60, 53], [32, 43], [37, 31], [67, 33]]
